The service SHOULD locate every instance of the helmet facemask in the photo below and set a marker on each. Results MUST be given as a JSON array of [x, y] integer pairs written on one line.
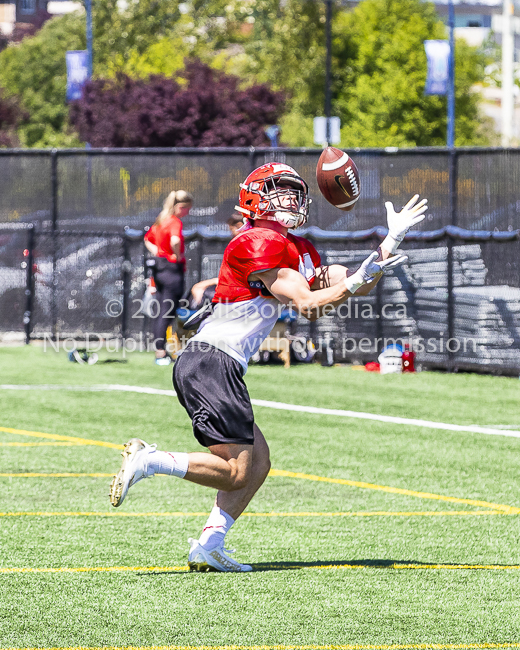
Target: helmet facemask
[[271, 199]]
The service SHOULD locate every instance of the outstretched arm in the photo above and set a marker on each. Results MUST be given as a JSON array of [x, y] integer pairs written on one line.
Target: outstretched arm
[[398, 225], [290, 287], [327, 276]]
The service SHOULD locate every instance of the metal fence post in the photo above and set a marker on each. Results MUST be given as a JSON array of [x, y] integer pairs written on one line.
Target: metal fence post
[[451, 303], [29, 285], [453, 175], [379, 315], [147, 273], [252, 154], [54, 219], [200, 247], [126, 268], [450, 243]]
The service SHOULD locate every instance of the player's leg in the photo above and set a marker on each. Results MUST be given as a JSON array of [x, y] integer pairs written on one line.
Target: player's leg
[[230, 470], [210, 386], [158, 334], [208, 552], [169, 280], [237, 471], [229, 505], [234, 503]]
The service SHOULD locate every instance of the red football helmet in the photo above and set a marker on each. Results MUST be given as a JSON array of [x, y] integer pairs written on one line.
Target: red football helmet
[[261, 197]]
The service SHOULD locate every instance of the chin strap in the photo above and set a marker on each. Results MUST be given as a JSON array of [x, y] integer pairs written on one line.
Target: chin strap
[[288, 219]]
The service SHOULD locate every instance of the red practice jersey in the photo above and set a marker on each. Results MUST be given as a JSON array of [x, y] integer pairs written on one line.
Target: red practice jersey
[[244, 312], [261, 249], [161, 234]]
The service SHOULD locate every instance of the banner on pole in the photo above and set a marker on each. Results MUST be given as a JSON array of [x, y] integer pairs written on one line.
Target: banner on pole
[[77, 73], [438, 55]]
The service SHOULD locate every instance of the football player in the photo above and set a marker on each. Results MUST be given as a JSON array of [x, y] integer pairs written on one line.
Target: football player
[[263, 266]]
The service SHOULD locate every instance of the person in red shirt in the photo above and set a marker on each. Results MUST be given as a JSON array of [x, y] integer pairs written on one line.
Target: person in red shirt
[[263, 266], [165, 242]]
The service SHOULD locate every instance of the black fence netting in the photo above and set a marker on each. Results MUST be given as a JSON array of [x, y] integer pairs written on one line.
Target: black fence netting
[[78, 284], [456, 301], [68, 267], [25, 187], [487, 190], [106, 190], [15, 275], [384, 177]]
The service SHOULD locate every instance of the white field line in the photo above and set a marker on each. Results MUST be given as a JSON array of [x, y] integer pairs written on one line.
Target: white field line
[[388, 418], [502, 426], [427, 424], [94, 388]]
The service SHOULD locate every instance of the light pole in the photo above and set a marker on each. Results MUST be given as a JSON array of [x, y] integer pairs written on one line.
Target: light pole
[[507, 73], [451, 77], [88, 9], [90, 60], [328, 37]]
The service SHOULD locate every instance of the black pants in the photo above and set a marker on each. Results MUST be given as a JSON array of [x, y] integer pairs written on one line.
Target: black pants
[[169, 282]]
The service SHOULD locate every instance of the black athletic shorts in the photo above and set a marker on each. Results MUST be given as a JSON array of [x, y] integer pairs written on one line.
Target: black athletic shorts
[[210, 385]]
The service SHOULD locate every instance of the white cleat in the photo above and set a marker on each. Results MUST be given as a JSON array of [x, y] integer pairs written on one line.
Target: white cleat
[[214, 560], [133, 469]]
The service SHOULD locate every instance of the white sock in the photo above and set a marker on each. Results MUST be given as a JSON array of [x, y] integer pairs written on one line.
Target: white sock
[[166, 462], [218, 524]]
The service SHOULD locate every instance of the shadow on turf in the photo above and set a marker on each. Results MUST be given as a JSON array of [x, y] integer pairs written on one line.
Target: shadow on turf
[[377, 564]]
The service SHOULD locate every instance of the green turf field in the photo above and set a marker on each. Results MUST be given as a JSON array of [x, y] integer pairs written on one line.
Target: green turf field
[[412, 542]]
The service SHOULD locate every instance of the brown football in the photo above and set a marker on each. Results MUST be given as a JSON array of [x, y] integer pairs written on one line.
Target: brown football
[[338, 178]]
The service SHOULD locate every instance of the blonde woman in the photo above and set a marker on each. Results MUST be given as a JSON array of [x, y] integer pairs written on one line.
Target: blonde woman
[[165, 242]]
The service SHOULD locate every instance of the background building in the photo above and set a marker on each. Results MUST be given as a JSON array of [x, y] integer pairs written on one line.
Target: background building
[[32, 12]]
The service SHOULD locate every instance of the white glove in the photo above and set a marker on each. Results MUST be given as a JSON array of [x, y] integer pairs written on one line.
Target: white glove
[[370, 269], [399, 223]]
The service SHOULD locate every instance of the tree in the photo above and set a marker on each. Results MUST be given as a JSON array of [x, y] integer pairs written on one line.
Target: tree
[[379, 72], [123, 30], [380, 93], [199, 108], [287, 50], [164, 57], [34, 71], [9, 116], [379, 64]]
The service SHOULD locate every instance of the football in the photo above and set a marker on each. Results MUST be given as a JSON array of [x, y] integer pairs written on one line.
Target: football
[[338, 178]]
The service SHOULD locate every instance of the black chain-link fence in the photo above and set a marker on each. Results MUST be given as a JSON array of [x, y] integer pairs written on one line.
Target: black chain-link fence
[[67, 269], [106, 190], [456, 300]]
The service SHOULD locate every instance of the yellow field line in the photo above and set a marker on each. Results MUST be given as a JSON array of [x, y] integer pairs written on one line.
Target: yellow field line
[[265, 567], [53, 436], [274, 472], [377, 513], [394, 490], [42, 444], [393, 646], [452, 513]]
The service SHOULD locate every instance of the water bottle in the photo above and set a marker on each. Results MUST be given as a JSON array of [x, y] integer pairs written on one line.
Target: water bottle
[[408, 359], [327, 353]]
